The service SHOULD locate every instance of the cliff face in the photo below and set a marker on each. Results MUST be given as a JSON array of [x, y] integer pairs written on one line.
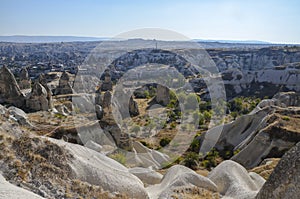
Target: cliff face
[[264, 82], [254, 59], [261, 72]]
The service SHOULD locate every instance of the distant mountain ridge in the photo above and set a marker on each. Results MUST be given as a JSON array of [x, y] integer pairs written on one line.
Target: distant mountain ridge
[[234, 41], [53, 39], [48, 39]]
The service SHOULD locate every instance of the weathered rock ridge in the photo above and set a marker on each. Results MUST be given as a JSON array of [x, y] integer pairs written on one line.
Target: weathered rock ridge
[[268, 131]]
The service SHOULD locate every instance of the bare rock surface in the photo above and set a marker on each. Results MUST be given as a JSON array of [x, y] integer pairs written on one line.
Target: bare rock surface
[[145, 157], [162, 95], [107, 83], [97, 169], [233, 180], [284, 182], [19, 115], [43, 81], [11, 191], [146, 175], [267, 132], [180, 179], [38, 98], [9, 89], [24, 81], [64, 86], [133, 107]]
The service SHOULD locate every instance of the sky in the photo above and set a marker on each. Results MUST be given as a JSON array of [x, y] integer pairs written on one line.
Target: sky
[[275, 21]]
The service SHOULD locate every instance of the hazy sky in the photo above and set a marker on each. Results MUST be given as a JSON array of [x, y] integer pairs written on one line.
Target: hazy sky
[[274, 20]]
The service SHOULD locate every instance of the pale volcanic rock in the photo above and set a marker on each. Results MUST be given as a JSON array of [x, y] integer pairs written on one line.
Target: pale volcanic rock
[[133, 107], [234, 181], [37, 100], [284, 182], [162, 95], [64, 86], [9, 89], [24, 79]]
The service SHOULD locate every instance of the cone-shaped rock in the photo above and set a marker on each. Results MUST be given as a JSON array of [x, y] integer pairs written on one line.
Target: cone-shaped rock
[[9, 89], [24, 81]]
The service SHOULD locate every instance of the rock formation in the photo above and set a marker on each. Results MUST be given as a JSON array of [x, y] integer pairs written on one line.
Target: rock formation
[[24, 79], [146, 175], [38, 98], [97, 169], [8, 190], [180, 180], [133, 107], [145, 157], [98, 97], [42, 80], [64, 86], [99, 112], [19, 115], [162, 95], [9, 89], [267, 132], [106, 102], [233, 180], [107, 83], [284, 182]]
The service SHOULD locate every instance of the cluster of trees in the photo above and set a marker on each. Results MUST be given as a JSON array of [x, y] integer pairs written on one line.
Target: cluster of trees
[[202, 112], [242, 105]]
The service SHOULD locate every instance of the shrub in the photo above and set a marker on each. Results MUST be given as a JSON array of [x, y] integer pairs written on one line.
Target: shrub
[[207, 115], [191, 160], [173, 125], [195, 145], [164, 142], [119, 157], [234, 114], [210, 159], [286, 118], [147, 94], [135, 129]]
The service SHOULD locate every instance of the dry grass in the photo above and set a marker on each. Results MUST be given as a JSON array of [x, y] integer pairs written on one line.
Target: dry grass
[[195, 193], [266, 169], [28, 159]]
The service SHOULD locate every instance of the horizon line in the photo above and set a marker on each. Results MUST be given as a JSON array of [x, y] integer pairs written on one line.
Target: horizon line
[[102, 38]]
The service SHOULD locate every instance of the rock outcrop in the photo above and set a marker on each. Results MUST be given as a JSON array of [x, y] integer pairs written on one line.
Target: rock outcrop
[[133, 107], [24, 79], [19, 115], [8, 190], [284, 182], [233, 180], [262, 82], [267, 132], [9, 89], [97, 169], [64, 86], [98, 97], [38, 98], [106, 102], [180, 180], [145, 157], [43, 81], [162, 95], [146, 175], [107, 83]]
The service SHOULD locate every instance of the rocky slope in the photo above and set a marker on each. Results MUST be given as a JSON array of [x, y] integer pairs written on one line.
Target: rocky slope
[[267, 132], [54, 168]]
